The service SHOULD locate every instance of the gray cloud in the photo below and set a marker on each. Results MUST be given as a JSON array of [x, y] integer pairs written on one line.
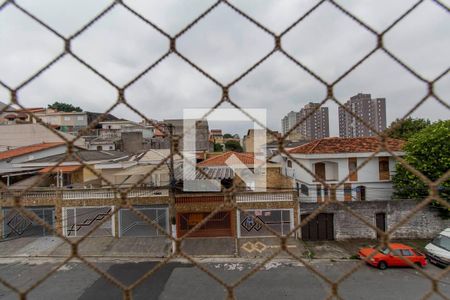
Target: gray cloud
[[224, 44]]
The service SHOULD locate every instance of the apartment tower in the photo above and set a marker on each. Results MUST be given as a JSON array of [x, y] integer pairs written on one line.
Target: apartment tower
[[372, 111], [315, 124]]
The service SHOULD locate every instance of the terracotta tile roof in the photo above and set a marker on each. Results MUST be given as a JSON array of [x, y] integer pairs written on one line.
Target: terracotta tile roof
[[219, 160], [28, 149], [346, 145]]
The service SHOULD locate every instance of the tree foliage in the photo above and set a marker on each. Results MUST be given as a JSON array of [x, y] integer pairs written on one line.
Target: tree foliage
[[218, 147], [227, 136], [404, 129], [66, 107], [233, 146], [428, 151]]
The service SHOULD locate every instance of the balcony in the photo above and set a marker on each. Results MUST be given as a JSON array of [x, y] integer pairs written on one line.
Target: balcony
[[326, 170]]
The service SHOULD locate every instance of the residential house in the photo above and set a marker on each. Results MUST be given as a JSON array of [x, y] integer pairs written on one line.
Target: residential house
[[216, 136], [80, 202], [71, 122], [277, 206], [336, 159], [67, 171], [9, 171], [13, 115], [136, 169]]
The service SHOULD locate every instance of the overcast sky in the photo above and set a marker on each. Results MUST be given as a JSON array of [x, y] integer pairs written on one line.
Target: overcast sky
[[225, 44]]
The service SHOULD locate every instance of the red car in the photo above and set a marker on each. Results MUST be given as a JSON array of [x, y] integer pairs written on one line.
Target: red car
[[386, 258]]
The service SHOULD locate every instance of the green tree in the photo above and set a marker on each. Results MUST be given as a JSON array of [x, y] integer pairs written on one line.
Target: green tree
[[218, 147], [227, 136], [428, 151], [233, 146], [404, 129], [66, 107]]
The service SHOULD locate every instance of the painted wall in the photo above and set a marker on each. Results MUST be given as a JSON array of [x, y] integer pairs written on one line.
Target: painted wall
[[424, 224], [368, 176]]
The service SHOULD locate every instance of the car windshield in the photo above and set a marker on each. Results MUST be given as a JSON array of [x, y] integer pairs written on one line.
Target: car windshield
[[442, 241]]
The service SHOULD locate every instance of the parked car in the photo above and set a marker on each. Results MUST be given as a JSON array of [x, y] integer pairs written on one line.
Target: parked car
[[384, 258], [438, 251]]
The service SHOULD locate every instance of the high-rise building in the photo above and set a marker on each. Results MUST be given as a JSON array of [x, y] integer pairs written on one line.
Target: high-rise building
[[289, 121], [315, 123], [372, 111]]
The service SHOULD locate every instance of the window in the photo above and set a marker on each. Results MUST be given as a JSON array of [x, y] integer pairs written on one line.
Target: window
[[325, 193], [304, 189], [80, 118], [319, 193], [352, 168], [407, 252], [66, 118], [385, 251], [333, 192], [383, 166], [442, 241], [361, 193], [289, 164]]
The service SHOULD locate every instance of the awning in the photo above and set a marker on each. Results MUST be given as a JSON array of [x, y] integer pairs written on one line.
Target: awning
[[18, 171], [62, 169]]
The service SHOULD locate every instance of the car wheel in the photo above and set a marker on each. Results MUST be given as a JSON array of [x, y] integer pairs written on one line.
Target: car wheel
[[382, 265], [419, 264]]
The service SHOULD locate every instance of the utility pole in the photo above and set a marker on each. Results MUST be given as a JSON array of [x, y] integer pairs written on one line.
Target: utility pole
[[172, 188]]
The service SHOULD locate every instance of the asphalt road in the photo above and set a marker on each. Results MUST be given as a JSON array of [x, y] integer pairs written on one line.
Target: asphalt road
[[184, 281]]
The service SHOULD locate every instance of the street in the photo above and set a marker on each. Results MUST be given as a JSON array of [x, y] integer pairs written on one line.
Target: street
[[176, 280]]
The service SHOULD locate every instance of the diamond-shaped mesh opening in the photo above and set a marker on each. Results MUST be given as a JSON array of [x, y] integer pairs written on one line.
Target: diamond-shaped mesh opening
[[152, 205]]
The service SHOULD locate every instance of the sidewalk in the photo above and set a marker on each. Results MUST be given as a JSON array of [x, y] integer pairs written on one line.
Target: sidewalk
[[155, 247], [159, 247]]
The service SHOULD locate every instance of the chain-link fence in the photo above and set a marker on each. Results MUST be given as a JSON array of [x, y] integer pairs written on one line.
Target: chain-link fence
[[128, 198]]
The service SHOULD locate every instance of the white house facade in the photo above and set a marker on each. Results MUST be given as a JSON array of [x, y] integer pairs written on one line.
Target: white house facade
[[336, 160]]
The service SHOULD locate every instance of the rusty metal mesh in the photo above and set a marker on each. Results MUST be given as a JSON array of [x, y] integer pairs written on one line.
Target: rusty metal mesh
[[121, 199]]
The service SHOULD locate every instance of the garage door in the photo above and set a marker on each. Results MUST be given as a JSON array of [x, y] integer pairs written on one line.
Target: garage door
[[17, 225], [79, 221], [320, 228], [218, 225], [133, 225], [278, 220]]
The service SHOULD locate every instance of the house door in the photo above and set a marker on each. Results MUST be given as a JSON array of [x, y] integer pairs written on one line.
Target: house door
[[320, 228], [380, 222]]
